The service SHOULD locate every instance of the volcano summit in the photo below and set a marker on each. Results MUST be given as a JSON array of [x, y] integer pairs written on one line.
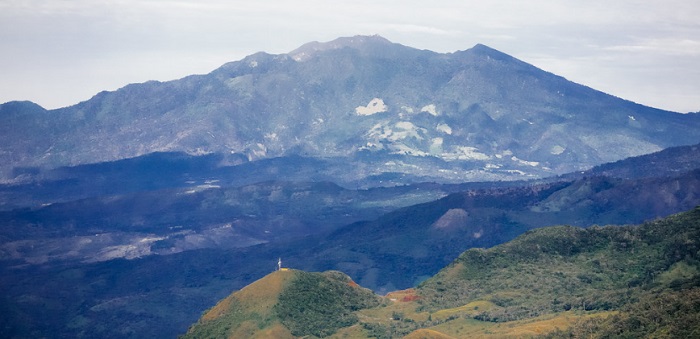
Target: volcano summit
[[371, 106]]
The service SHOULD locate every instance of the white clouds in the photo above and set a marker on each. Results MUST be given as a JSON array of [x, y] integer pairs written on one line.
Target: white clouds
[[59, 52], [668, 46], [412, 29]]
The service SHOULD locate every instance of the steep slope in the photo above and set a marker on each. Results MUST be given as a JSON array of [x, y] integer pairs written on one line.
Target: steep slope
[[161, 295], [667, 162], [245, 310], [401, 248], [633, 281], [471, 115], [558, 269], [286, 304]]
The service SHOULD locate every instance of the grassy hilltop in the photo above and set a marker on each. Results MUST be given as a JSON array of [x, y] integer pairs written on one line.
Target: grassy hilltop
[[631, 281], [287, 304]]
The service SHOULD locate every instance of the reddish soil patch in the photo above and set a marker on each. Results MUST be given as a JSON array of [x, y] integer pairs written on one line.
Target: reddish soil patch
[[410, 298], [403, 295]]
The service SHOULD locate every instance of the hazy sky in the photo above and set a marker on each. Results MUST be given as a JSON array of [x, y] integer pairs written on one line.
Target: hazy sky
[[60, 52]]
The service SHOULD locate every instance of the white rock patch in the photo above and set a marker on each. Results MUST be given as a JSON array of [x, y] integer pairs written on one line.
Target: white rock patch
[[406, 130], [466, 153], [557, 150], [444, 128], [430, 109], [406, 150], [525, 162], [505, 153], [375, 106], [380, 132], [454, 218], [257, 151]]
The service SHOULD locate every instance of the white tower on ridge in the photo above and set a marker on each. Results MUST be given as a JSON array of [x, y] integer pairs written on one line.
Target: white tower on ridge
[[279, 264]]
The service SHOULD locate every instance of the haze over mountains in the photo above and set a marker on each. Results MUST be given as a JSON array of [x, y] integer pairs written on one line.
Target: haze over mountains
[[131, 213], [148, 263], [379, 107]]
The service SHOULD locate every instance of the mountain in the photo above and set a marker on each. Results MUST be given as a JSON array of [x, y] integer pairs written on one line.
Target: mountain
[[287, 304], [595, 269], [176, 170], [203, 214], [375, 106], [131, 213], [403, 247], [119, 261], [170, 203], [562, 281], [667, 162]]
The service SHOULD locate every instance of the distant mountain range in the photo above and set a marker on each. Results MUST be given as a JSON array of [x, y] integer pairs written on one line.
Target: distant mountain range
[[167, 203], [400, 248], [376, 107], [113, 260]]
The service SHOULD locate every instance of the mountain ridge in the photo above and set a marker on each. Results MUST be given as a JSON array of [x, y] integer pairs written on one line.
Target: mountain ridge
[[359, 42], [173, 274], [471, 115], [596, 281]]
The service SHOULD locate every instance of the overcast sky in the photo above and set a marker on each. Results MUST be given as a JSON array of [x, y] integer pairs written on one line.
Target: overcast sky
[[60, 52]]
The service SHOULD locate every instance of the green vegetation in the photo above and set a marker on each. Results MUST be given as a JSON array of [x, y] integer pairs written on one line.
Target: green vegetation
[[245, 312], [287, 304], [658, 314], [319, 304], [557, 269], [626, 282], [222, 327]]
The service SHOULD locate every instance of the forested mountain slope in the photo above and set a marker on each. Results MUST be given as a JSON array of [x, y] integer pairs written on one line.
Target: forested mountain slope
[[631, 281]]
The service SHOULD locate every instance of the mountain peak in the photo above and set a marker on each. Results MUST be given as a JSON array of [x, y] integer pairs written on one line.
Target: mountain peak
[[483, 50], [21, 105], [361, 97], [360, 40], [287, 304], [482, 47], [307, 50], [20, 108]]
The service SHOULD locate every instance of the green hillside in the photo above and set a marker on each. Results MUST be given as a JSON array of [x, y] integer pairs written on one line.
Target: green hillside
[[287, 304], [599, 269], [631, 281]]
